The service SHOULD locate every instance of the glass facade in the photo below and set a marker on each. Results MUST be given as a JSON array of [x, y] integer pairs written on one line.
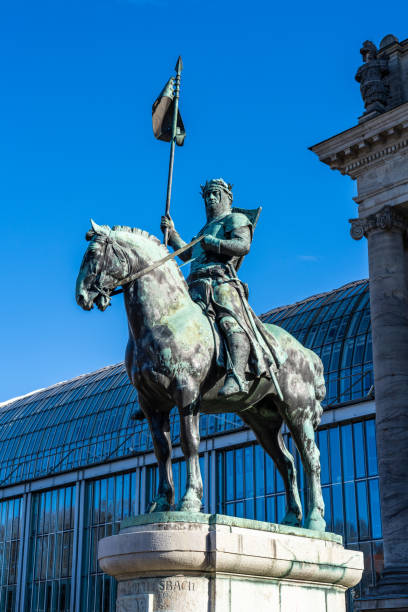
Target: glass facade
[[249, 485], [80, 433], [337, 327], [107, 502], [80, 422], [179, 478], [10, 545], [50, 553]]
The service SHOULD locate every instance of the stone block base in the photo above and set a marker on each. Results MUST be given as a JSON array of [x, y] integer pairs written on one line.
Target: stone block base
[[180, 562]]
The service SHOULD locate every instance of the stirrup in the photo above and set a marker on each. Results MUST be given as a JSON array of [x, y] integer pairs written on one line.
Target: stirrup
[[241, 384]]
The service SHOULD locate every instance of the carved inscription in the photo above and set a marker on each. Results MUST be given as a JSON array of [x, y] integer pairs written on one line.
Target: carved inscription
[[176, 585], [158, 585], [136, 603], [135, 587]]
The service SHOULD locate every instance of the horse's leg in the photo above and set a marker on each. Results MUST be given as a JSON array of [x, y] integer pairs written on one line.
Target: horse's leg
[[267, 431], [190, 442], [303, 435], [159, 424]]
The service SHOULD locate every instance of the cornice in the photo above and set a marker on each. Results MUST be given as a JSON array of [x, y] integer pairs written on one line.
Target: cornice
[[387, 219], [354, 164], [366, 144]]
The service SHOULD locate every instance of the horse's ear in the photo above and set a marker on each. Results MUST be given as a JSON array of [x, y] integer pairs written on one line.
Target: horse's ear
[[93, 231], [102, 230], [96, 228]]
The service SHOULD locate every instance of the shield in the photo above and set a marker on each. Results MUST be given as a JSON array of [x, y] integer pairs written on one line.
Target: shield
[[253, 216]]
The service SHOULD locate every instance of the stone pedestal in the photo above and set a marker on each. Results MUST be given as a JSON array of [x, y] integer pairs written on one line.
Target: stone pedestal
[[180, 562]]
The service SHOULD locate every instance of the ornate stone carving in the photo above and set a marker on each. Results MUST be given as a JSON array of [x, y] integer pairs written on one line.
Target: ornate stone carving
[[386, 219], [371, 76], [356, 229], [352, 168], [369, 144]]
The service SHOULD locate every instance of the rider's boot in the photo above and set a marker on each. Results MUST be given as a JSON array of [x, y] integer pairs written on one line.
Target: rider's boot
[[238, 348]]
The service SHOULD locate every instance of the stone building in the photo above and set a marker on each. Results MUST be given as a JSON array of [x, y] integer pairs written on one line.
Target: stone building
[[73, 464], [375, 154]]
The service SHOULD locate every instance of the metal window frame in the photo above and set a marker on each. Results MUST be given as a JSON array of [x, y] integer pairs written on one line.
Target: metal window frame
[[137, 464], [23, 561]]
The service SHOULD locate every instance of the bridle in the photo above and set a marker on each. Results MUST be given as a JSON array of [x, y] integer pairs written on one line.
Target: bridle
[[98, 282], [98, 286]]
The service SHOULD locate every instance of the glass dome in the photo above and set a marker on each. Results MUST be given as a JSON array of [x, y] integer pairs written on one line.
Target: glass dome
[[336, 325], [86, 420]]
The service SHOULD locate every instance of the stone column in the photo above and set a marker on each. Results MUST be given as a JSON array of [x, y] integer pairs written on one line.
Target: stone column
[[386, 232], [375, 155]]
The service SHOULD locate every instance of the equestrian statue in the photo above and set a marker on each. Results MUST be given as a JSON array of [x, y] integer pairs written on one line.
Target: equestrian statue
[[198, 346]]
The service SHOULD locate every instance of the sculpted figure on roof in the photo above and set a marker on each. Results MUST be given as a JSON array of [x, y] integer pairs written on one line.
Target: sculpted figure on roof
[[371, 76]]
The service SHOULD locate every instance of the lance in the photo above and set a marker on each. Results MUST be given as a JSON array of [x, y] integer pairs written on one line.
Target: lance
[[178, 69]]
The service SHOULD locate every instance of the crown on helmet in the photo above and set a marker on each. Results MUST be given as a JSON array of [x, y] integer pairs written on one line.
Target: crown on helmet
[[217, 184]]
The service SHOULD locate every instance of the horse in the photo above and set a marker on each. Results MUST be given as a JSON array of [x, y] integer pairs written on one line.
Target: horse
[[171, 361]]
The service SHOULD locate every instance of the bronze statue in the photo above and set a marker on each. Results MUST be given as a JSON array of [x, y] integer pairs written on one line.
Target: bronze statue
[[214, 285], [174, 355]]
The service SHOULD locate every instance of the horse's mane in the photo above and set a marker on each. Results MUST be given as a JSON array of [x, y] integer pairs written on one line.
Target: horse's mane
[[161, 247], [135, 230]]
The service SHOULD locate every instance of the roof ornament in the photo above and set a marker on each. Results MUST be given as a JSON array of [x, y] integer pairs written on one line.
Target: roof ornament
[[372, 78]]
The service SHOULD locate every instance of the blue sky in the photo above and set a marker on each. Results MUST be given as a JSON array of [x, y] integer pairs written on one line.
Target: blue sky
[[262, 82]]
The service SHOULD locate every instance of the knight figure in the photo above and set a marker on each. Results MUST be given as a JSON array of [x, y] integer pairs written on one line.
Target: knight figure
[[250, 352]]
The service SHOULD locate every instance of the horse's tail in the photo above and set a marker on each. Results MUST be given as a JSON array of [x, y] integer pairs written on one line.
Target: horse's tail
[[320, 389]]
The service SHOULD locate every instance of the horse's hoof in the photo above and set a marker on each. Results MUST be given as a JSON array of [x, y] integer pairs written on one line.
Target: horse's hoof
[[291, 519], [157, 506], [315, 523], [188, 506]]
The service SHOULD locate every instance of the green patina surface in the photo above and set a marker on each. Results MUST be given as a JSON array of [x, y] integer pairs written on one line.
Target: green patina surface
[[173, 356], [229, 521]]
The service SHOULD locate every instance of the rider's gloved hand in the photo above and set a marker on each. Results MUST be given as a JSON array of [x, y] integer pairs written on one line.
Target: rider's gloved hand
[[167, 223], [211, 243]]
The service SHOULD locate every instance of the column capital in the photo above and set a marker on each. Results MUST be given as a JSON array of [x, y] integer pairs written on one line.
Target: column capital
[[386, 219]]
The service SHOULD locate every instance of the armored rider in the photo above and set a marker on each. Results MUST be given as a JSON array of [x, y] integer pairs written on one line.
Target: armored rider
[[214, 285]]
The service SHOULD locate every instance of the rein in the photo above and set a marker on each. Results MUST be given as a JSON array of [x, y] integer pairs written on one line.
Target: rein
[[98, 284]]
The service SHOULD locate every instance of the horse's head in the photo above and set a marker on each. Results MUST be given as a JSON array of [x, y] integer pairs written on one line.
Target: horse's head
[[104, 265]]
